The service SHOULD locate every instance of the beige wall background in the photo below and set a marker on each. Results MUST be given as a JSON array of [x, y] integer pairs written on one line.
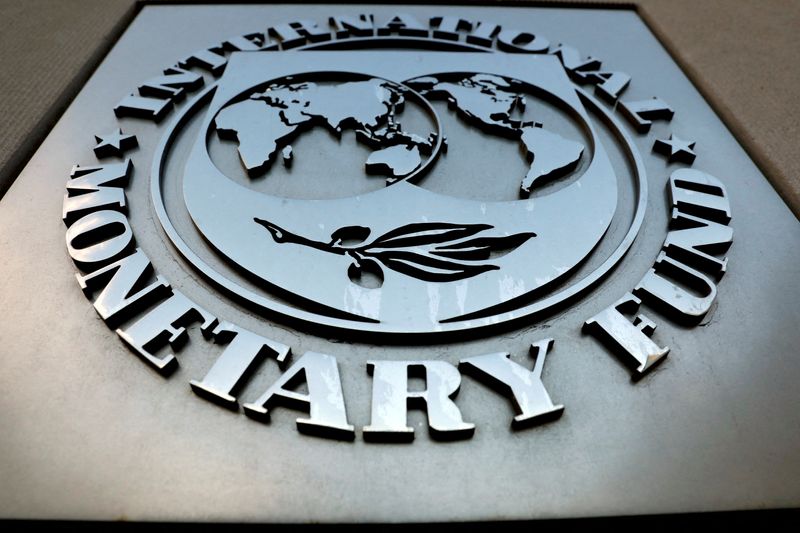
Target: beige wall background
[[741, 54]]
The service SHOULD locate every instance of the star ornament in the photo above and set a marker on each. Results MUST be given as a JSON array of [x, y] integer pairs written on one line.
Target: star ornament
[[676, 149], [114, 144]]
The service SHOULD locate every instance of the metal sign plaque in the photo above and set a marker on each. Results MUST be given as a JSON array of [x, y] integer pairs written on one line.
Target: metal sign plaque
[[392, 244]]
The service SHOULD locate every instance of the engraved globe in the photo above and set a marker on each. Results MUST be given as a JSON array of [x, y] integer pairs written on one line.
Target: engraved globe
[[434, 203]]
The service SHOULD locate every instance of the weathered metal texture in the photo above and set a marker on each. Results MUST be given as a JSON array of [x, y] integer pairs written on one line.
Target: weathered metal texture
[[712, 427]]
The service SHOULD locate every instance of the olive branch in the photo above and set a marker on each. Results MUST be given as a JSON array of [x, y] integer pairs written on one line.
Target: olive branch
[[430, 251]]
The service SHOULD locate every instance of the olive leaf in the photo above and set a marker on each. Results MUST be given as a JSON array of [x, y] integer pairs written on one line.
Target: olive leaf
[[429, 251], [349, 235]]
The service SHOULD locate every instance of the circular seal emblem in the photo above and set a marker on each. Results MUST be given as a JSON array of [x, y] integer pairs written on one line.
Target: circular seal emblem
[[389, 184], [403, 241]]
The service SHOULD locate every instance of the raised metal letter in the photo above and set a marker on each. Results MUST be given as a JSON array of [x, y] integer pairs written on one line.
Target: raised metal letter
[[324, 401], [700, 194], [345, 27], [448, 27], [630, 341], [675, 299], [93, 188], [210, 60], [571, 59], [143, 107], [243, 353], [404, 24], [173, 84], [98, 239], [522, 41], [294, 34], [118, 281], [641, 113], [525, 387], [391, 400], [693, 239], [166, 323], [609, 84], [483, 34]]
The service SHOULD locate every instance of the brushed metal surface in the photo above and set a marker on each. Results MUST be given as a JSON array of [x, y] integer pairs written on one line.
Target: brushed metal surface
[[90, 431]]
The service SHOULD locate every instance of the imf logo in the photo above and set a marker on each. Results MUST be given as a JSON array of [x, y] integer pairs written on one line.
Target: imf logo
[[374, 221]]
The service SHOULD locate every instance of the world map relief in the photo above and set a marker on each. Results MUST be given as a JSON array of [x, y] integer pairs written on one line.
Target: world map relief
[[267, 122], [489, 102]]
